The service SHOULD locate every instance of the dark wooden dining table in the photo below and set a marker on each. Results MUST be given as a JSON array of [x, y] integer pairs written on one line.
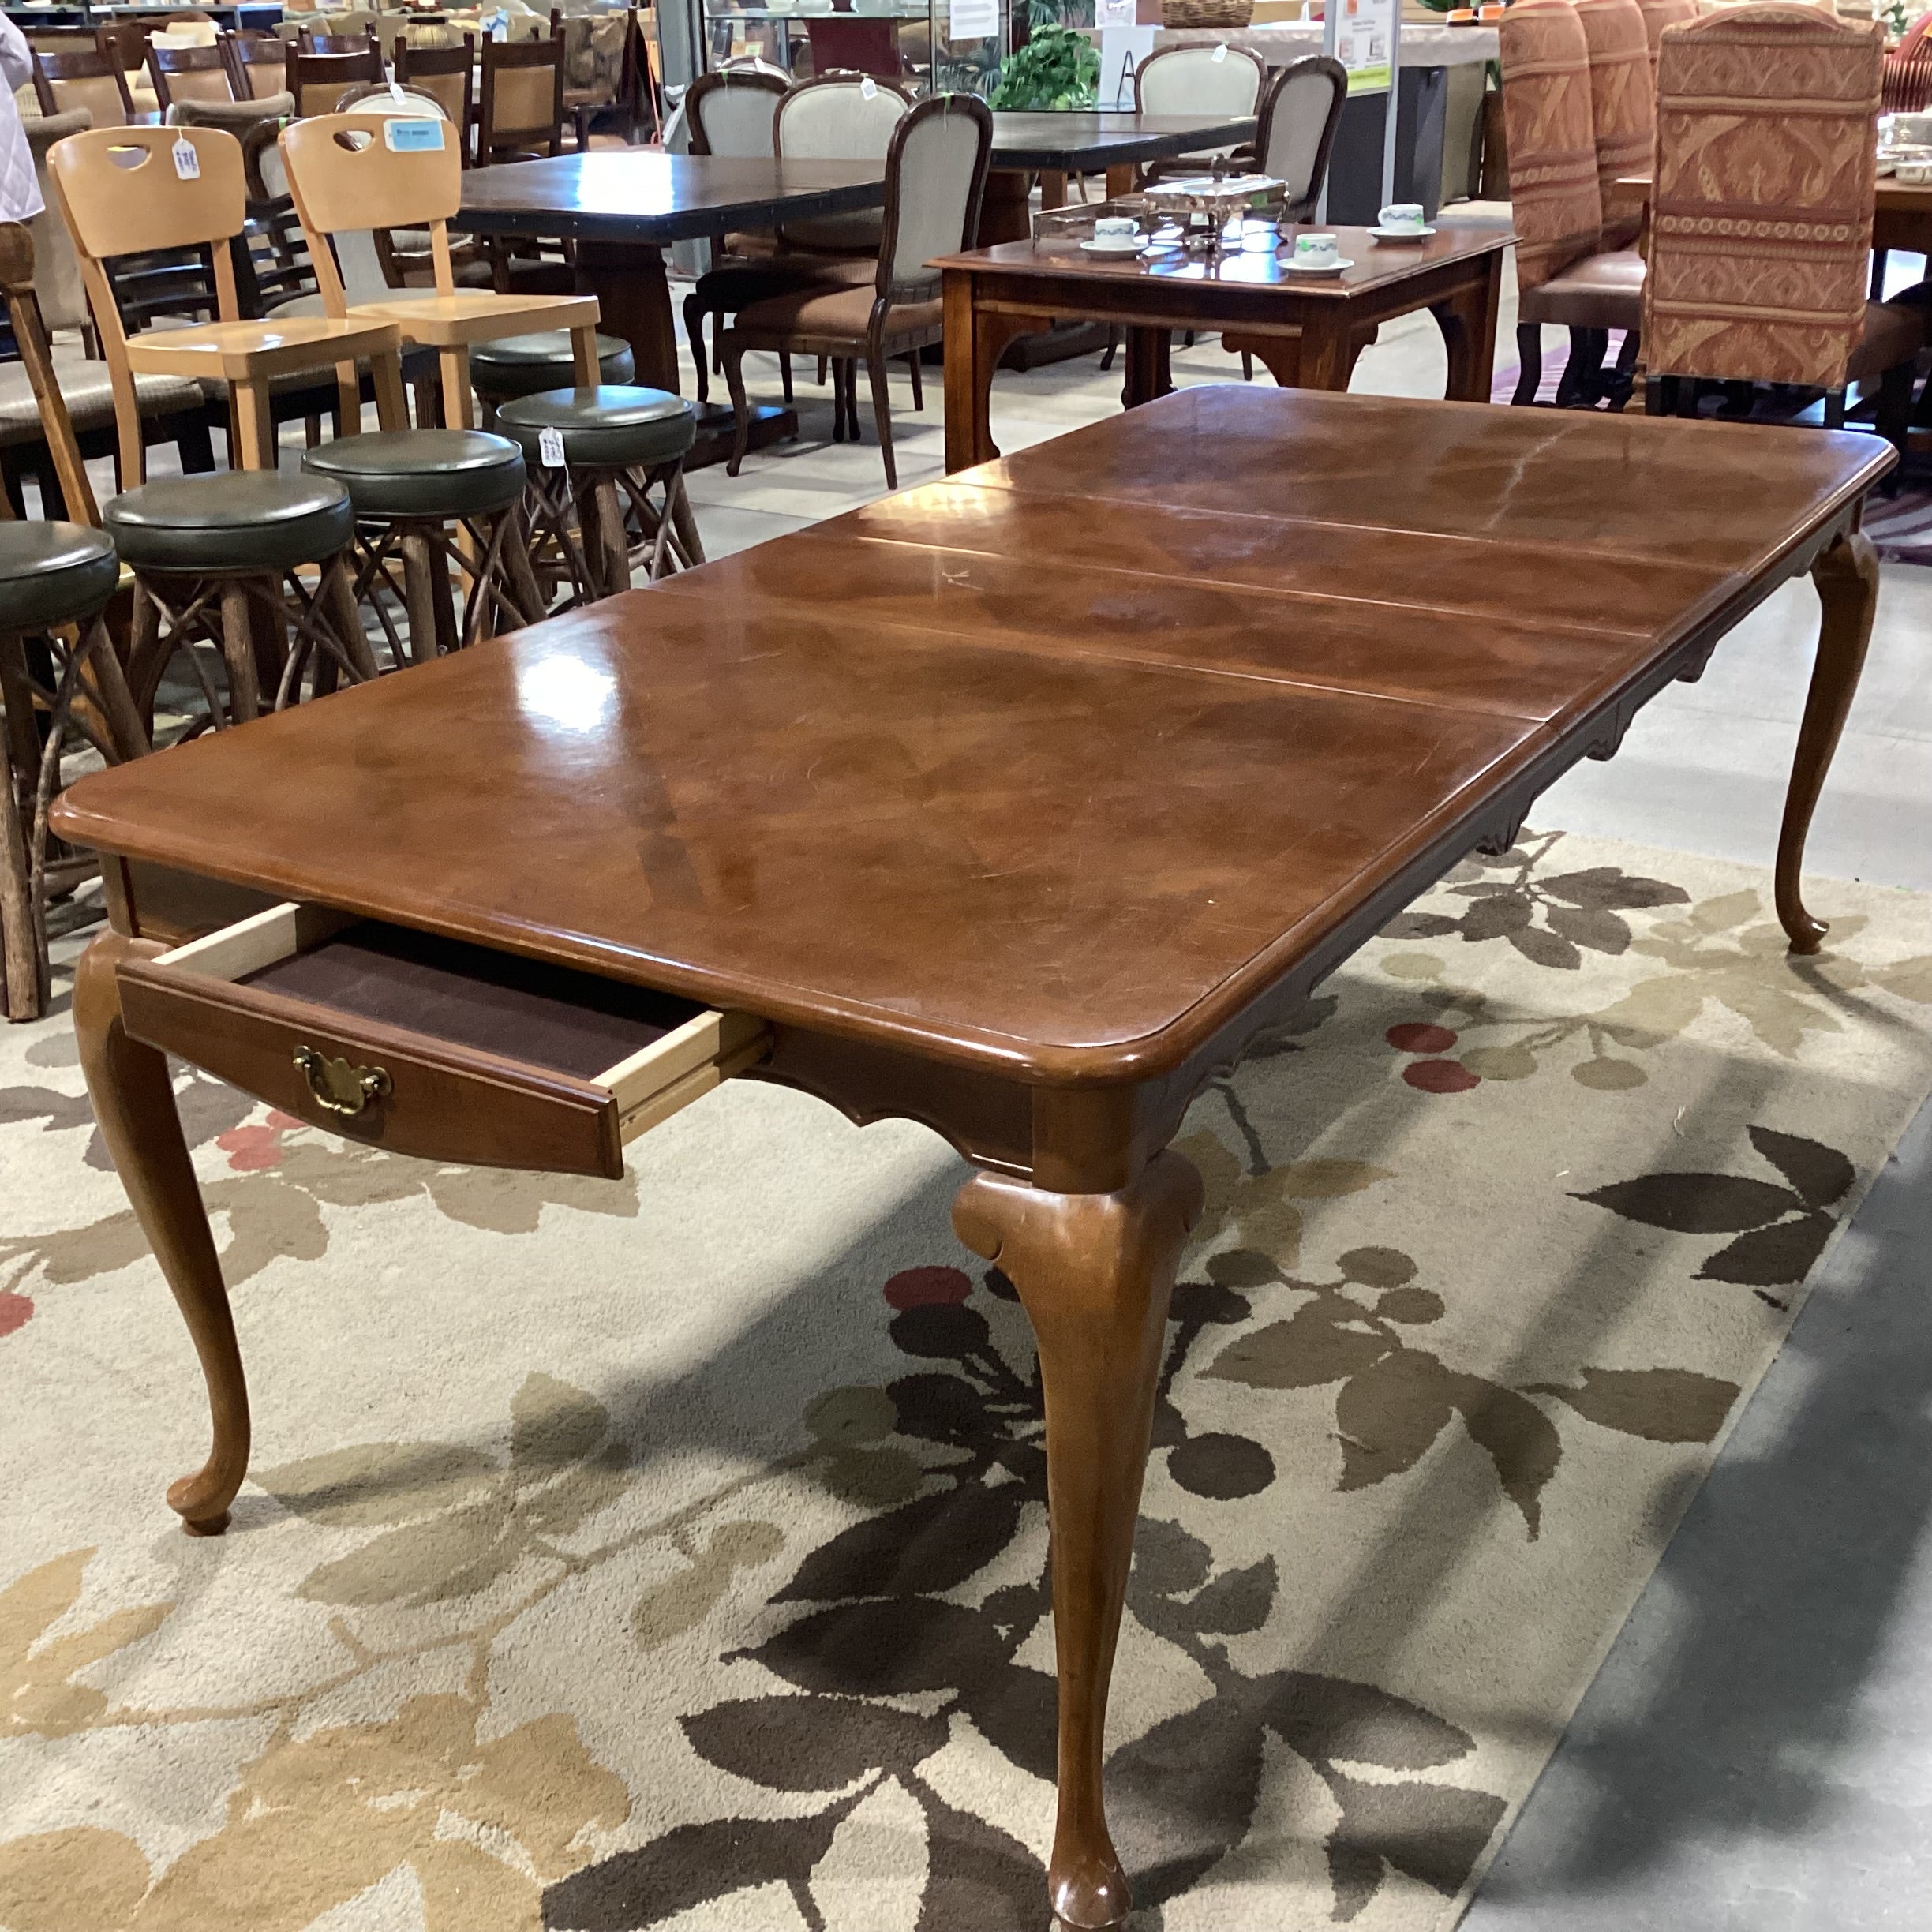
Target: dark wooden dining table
[[621, 207], [1019, 804], [1308, 330]]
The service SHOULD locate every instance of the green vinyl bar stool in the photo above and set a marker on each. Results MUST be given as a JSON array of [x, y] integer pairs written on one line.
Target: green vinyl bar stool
[[434, 507], [55, 580], [521, 365], [592, 518]]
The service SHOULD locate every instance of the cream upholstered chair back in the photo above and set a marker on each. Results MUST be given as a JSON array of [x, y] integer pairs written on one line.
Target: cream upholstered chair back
[[1761, 209], [935, 178], [730, 112], [1295, 128], [1623, 107], [839, 116], [57, 271], [1555, 201], [1193, 80]]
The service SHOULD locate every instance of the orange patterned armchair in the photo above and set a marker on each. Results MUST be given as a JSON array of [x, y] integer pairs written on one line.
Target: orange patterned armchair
[[1658, 15], [1563, 276], [1762, 212]]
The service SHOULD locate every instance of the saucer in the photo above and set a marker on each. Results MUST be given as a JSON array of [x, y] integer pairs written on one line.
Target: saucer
[[1321, 268], [1131, 246], [1401, 234]]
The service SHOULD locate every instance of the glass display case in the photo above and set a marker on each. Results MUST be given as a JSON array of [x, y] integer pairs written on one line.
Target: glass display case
[[928, 46]]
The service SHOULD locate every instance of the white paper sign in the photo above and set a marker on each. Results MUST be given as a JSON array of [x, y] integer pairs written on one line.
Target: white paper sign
[[550, 448], [972, 19], [187, 162], [1122, 49], [1361, 34]]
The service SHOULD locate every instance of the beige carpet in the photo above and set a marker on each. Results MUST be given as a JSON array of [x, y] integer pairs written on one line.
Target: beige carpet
[[671, 1552]]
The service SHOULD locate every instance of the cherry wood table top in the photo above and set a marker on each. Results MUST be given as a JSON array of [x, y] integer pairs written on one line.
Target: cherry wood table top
[[643, 194], [1055, 770], [1067, 141], [1376, 265]]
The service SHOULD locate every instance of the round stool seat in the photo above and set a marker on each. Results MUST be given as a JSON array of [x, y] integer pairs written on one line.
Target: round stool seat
[[612, 427], [54, 574], [422, 473], [239, 520], [519, 365]]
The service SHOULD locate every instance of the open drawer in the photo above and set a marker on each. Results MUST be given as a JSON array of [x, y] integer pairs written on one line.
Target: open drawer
[[432, 1046]]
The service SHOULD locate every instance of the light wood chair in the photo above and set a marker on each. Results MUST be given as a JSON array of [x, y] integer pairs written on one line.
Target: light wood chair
[[345, 177], [121, 193]]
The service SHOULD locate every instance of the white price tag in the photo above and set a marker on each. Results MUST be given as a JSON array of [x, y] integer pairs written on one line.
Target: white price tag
[[1220, 52], [396, 93], [550, 448], [868, 88], [187, 162]]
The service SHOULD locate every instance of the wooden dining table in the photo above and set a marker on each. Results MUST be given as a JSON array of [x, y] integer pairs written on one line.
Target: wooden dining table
[[1307, 330], [1021, 805], [621, 207]]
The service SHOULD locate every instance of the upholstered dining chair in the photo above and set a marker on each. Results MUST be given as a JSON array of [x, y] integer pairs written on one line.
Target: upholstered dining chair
[[1622, 108], [1658, 15], [318, 81], [1758, 242], [448, 75], [1295, 123], [189, 74], [838, 116], [258, 64], [1563, 276], [520, 109], [935, 178], [70, 78], [1193, 79]]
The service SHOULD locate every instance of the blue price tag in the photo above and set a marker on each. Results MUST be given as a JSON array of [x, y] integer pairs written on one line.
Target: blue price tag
[[402, 137]]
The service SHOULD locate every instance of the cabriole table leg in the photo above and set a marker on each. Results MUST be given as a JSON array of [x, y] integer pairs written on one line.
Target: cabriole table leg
[[1096, 1272], [134, 1101], [1847, 579]]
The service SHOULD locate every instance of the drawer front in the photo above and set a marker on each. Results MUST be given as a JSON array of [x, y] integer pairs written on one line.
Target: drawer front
[[410, 1094]]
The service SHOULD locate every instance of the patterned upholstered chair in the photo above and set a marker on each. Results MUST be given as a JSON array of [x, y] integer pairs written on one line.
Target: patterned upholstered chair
[[1622, 108], [1759, 242], [1658, 15], [1563, 274]]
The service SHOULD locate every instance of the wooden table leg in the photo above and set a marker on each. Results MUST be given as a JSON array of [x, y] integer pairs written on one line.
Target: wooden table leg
[[1096, 1272], [1847, 579], [1280, 355], [1468, 321], [1324, 361], [134, 1101], [1119, 181], [1150, 373], [633, 302]]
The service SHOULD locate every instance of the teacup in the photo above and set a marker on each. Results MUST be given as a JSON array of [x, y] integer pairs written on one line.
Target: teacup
[[1404, 217], [1914, 173], [1115, 228], [1316, 251]]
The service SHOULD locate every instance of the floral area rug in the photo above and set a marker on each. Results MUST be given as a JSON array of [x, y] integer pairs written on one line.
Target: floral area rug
[[672, 1552]]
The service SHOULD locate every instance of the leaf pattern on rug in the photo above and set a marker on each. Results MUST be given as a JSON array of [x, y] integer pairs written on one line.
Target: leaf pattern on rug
[[38, 1695], [1396, 1399], [887, 1616], [1779, 1231]]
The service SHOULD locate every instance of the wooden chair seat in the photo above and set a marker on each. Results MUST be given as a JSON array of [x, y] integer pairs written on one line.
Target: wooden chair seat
[[472, 316], [237, 351]]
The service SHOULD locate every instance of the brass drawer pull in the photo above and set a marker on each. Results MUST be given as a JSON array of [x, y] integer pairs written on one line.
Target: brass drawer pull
[[340, 1088]]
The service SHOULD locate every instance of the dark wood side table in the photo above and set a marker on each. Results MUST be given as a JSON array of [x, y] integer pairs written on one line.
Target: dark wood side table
[[1307, 330], [1019, 805]]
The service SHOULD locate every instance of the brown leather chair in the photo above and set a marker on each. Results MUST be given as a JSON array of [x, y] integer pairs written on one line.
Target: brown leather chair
[[1562, 274], [935, 177], [1757, 265]]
